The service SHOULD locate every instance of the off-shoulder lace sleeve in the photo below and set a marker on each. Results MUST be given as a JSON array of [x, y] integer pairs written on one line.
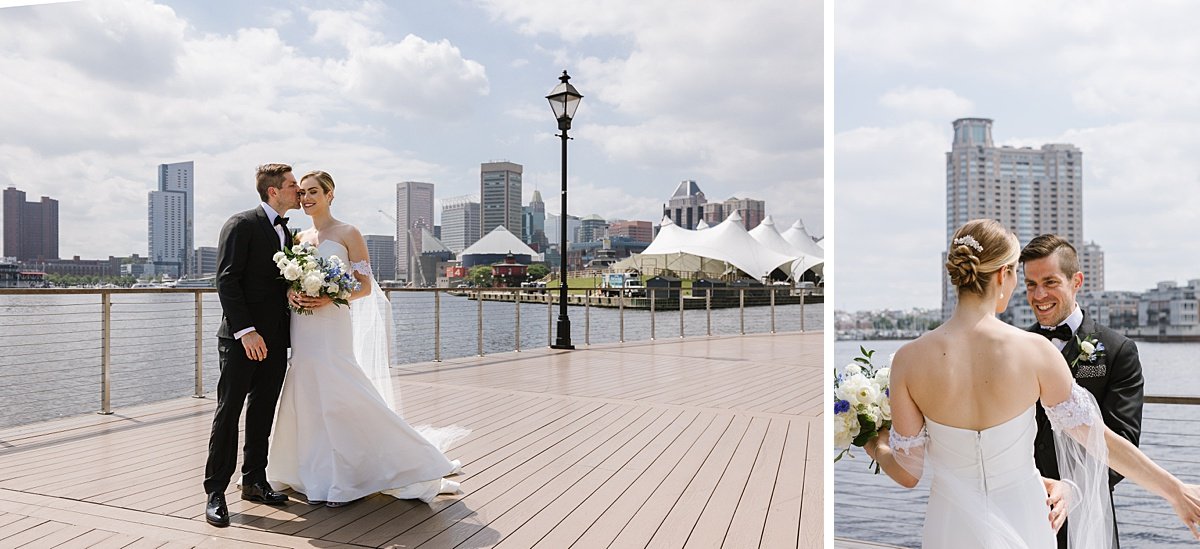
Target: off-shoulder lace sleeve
[[363, 267], [1073, 412], [909, 451], [901, 443]]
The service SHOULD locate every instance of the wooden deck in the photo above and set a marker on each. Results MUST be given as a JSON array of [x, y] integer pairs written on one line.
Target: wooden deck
[[703, 442]]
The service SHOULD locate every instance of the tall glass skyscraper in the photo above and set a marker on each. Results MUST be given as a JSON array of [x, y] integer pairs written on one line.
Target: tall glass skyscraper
[[500, 196], [170, 219], [1030, 191], [414, 211]]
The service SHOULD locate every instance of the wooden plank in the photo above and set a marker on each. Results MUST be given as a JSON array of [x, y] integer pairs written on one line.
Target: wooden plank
[[783, 517], [812, 533], [63, 535], [746, 529], [88, 539], [713, 522], [20, 525], [31, 535]]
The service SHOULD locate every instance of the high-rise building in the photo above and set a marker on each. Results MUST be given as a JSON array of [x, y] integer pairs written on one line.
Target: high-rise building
[[414, 211], [533, 223], [170, 219], [381, 252], [30, 228], [752, 211], [1091, 263], [1030, 191], [686, 205], [592, 228], [637, 231], [500, 196], [554, 231], [460, 222]]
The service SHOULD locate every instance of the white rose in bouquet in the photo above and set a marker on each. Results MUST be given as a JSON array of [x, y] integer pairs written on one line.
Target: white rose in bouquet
[[291, 271], [882, 377], [885, 409], [298, 249], [279, 256], [858, 390], [845, 428], [851, 369], [331, 289], [312, 284]]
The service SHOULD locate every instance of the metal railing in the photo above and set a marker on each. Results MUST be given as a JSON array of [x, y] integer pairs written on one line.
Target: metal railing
[[156, 343]]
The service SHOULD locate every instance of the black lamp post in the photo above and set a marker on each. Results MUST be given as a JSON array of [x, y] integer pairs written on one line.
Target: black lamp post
[[563, 100]]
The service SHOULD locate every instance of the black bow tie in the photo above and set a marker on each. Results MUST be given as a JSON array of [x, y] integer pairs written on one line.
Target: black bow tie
[[280, 220], [1062, 332]]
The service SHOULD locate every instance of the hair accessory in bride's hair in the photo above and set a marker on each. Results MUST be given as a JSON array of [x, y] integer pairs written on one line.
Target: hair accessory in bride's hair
[[969, 241]]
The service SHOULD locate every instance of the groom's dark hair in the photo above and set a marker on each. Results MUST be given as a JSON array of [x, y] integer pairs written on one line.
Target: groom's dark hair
[[1046, 244], [270, 175]]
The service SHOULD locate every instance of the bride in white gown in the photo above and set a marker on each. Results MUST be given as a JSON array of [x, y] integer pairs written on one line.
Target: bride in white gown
[[962, 401], [337, 437]]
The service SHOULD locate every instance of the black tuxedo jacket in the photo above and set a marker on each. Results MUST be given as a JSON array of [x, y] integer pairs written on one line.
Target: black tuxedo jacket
[[251, 290], [1114, 379]]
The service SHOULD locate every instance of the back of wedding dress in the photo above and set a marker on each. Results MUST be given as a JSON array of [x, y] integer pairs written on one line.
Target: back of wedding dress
[[985, 490]]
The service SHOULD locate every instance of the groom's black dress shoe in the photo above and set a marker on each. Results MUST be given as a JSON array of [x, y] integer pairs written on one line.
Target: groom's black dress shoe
[[216, 513], [261, 492]]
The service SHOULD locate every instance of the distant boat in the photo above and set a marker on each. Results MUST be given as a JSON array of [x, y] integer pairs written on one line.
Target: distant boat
[[202, 282]]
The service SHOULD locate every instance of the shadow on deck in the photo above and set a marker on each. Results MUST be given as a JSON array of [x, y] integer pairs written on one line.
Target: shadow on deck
[[697, 442]]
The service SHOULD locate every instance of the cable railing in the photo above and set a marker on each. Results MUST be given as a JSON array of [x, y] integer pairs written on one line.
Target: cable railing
[[869, 507], [70, 351]]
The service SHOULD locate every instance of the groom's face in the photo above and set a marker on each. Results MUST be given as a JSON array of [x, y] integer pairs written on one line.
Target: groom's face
[[1050, 292]]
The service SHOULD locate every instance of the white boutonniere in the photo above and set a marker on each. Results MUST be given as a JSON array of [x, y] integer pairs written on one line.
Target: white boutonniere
[[1091, 350]]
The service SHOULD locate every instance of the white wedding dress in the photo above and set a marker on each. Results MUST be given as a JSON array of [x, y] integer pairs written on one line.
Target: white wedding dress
[[335, 437], [986, 491]]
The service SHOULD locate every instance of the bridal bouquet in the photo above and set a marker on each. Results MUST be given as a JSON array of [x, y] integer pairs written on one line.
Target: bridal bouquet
[[315, 276], [861, 407]]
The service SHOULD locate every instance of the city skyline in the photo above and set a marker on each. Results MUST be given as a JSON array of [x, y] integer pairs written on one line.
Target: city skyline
[[1044, 75], [377, 94]]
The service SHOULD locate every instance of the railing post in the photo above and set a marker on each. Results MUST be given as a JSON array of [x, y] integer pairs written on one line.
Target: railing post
[[587, 317], [479, 319], [549, 319], [105, 354], [621, 314], [742, 310], [772, 288], [437, 326], [199, 310], [518, 330], [708, 310], [801, 309], [681, 311], [652, 315]]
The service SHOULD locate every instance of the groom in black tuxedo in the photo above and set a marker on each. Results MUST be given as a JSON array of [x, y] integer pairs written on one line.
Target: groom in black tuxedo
[[252, 341], [1111, 372]]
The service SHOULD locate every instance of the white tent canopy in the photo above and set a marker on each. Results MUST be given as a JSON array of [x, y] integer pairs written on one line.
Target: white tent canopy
[[727, 242], [767, 235], [801, 240]]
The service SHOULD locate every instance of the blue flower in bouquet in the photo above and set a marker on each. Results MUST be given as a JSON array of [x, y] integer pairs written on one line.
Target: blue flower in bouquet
[[862, 406]]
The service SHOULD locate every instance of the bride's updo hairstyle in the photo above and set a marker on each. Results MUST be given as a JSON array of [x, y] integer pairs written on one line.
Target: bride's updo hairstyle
[[324, 180], [980, 248]]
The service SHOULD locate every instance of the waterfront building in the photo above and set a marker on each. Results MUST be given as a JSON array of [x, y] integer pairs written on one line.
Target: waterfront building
[[30, 228], [1116, 309], [636, 231], [592, 228], [685, 208], [751, 211], [499, 196], [1170, 311], [460, 222], [533, 222], [381, 252], [553, 232], [1091, 263], [1030, 191], [204, 261], [414, 211], [494, 247], [171, 218]]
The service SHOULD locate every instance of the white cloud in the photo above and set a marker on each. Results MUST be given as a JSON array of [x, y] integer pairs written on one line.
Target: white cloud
[[927, 102]]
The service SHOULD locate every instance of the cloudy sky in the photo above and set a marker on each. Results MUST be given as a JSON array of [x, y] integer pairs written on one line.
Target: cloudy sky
[[98, 93], [1117, 79]]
